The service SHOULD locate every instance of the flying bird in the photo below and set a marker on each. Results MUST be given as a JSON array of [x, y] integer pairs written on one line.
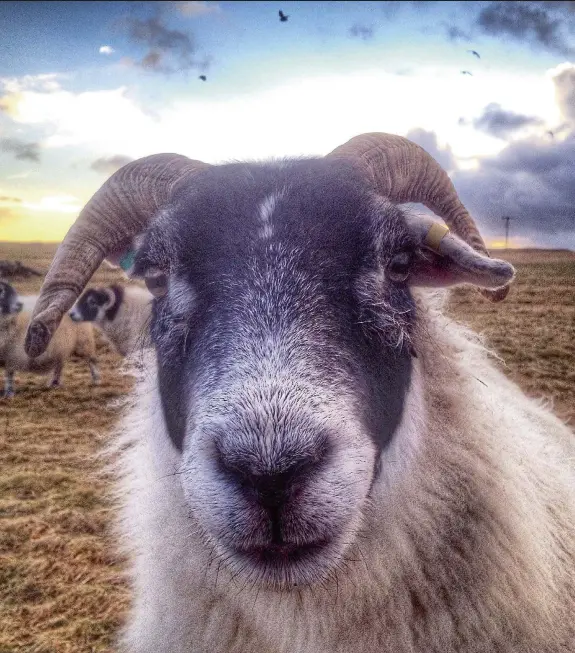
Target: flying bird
[[283, 17], [466, 72], [202, 77], [551, 134], [474, 53]]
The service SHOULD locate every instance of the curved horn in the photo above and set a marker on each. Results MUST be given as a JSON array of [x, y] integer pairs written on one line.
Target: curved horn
[[404, 172], [118, 211]]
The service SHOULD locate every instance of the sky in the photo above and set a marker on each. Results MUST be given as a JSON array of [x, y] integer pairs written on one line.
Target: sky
[[487, 88]]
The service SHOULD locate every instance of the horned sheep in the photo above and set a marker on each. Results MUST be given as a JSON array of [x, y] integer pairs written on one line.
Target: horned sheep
[[70, 338], [320, 460], [121, 312]]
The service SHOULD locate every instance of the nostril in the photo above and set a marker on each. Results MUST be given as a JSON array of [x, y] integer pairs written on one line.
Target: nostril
[[271, 478], [272, 489]]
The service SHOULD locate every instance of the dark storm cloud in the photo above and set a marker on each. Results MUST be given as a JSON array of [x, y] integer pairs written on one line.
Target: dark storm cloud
[[428, 141], [500, 123], [22, 150], [364, 32], [109, 165], [167, 50], [547, 24], [530, 180]]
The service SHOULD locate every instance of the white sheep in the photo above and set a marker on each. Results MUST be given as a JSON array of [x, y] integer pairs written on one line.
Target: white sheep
[[467, 542], [122, 313], [317, 460], [70, 338]]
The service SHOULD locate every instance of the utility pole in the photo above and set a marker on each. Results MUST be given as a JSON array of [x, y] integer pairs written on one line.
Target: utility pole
[[506, 218]]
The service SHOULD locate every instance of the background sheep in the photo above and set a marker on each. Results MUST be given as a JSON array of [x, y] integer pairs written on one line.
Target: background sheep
[[121, 312], [69, 339], [319, 461]]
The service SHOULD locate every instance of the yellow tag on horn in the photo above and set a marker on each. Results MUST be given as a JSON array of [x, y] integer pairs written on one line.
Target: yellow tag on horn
[[435, 235]]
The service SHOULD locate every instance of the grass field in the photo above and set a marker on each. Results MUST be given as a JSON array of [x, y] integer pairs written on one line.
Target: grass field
[[61, 585]]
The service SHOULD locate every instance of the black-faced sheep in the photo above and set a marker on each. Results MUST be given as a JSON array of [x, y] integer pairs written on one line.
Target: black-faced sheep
[[319, 460], [70, 338], [122, 313]]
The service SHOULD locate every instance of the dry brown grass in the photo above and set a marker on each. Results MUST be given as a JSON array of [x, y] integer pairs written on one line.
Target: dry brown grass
[[533, 330], [61, 586]]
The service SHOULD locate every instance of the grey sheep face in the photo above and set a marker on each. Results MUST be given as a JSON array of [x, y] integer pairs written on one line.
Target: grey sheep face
[[282, 325], [9, 301]]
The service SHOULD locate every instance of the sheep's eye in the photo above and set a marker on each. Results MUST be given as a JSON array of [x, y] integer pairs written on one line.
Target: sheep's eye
[[157, 282], [400, 266]]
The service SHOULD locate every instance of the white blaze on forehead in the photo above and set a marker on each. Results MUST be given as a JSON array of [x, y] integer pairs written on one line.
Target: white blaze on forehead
[[265, 210]]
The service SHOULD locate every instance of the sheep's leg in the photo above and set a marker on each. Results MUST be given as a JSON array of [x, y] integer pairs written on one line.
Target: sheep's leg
[[94, 371], [56, 375], [8, 383]]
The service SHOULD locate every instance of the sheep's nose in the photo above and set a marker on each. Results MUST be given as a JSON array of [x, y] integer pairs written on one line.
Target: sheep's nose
[[272, 490], [277, 481], [19, 306]]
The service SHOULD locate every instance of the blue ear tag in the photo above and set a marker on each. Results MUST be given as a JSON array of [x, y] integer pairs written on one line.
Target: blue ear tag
[[127, 260]]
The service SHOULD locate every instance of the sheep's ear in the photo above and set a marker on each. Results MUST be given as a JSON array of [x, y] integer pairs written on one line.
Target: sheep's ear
[[443, 259]]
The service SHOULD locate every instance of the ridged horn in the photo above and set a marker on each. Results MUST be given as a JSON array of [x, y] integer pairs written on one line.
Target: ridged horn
[[116, 213], [404, 172]]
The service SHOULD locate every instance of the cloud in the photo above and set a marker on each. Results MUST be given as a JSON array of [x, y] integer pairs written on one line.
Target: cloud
[[55, 204], [428, 141], [500, 123], [109, 165], [47, 83], [564, 79], [531, 180], [392, 8], [364, 32], [168, 50], [104, 121], [316, 113], [454, 33], [197, 8], [22, 150], [10, 200], [14, 87], [106, 49], [546, 24]]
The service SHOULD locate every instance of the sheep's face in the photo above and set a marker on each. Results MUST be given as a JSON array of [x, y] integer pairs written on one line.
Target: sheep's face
[[9, 302], [281, 327], [97, 305]]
